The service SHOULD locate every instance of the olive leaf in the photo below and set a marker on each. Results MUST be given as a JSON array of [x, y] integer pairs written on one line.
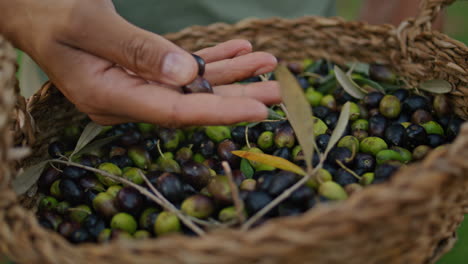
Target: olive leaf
[[28, 177], [90, 132], [436, 86], [270, 160], [246, 168], [272, 115], [359, 67], [348, 84], [96, 144], [362, 80], [299, 112], [339, 128]]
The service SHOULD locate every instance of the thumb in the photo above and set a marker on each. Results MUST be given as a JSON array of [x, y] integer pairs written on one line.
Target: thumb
[[149, 55]]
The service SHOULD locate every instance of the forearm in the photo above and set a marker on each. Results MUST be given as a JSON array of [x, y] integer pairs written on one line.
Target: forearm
[[393, 12]]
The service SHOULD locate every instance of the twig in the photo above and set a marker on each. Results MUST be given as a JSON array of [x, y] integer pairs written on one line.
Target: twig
[[348, 169], [246, 134], [166, 205], [158, 146], [238, 203]]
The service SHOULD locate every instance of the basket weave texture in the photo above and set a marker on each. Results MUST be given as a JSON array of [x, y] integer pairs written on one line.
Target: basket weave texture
[[411, 219]]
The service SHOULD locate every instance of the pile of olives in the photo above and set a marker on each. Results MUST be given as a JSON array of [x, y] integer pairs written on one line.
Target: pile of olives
[[384, 132]]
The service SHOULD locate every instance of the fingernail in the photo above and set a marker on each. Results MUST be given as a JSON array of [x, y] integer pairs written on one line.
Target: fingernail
[[176, 68]]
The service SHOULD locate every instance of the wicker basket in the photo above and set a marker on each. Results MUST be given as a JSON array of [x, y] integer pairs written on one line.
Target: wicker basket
[[411, 219]]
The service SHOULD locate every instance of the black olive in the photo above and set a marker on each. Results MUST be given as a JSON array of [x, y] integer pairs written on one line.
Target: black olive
[[395, 135]]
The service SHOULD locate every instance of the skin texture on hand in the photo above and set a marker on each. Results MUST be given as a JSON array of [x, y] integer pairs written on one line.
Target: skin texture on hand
[[116, 72]]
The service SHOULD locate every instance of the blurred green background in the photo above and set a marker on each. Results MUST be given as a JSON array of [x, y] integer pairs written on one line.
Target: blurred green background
[[456, 22], [455, 27]]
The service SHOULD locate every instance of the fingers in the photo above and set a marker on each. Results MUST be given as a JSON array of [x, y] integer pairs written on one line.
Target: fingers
[[265, 92], [239, 68], [225, 50], [105, 34]]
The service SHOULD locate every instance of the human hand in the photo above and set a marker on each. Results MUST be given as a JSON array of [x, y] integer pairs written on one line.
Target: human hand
[[91, 53]]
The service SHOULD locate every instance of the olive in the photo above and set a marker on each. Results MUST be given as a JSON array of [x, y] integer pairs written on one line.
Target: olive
[[372, 100], [114, 190], [364, 161], [56, 149], [227, 214], [183, 154], [169, 165], [343, 177], [401, 94], [198, 206], [201, 64], [148, 218], [354, 111], [129, 200], [332, 191], [281, 181], [381, 73], [433, 127], [119, 234], [404, 153], [319, 127], [207, 148], [104, 205], [416, 135], [284, 136], [170, 138], [125, 222], [265, 140], [367, 178], [302, 82], [320, 111], [220, 189], [395, 135], [238, 176], [199, 85], [390, 106], [170, 186], [248, 185], [341, 96], [360, 134], [403, 117], [66, 228], [377, 125], [372, 145], [415, 102], [79, 213], [225, 149], [130, 138], [121, 161], [149, 144], [301, 196], [349, 142], [142, 234], [289, 209], [109, 168], [282, 153], [140, 157], [313, 97], [374, 112], [79, 236], [360, 124], [91, 183], [435, 140], [48, 176], [196, 174], [384, 171], [166, 223], [387, 155], [53, 219], [145, 128], [48, 203], [420, 152], [218, 133], [331, 119], [341, 154], [197, 157], [94, 224], [266, 126], [62, 207], [453, 128], [329, 102], [321, 176], [133, 174], [442, 105], [255, 201], [104, 236], [71, 191], [421, 116]]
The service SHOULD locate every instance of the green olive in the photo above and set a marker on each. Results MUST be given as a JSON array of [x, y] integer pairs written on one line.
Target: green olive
[[354, 111], [125, 222], [360, 124], [166, 223], [313, 97], [388, 154], [322, 176], [367, 178], [133, 175], [390, 106], [372, 145], [433, 127], [332, 191], [218, 133], [349, 142], [109, 168]]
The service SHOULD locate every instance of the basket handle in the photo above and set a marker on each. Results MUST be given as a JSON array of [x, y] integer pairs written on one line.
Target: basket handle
[[412, 27]]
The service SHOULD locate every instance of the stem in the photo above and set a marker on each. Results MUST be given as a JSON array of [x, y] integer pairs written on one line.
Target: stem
[[348, 169], [247, 136], [238, 203], [165, 204]]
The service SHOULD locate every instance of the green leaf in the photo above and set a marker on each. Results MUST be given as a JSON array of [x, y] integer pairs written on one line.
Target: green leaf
[[436, 86], [359, 67], [362, 81], [299, 112], [90, 132], [96, 144], [246, 168], [270, 160], [348, 84], [272, 115], [339, 128], [28, 177]]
